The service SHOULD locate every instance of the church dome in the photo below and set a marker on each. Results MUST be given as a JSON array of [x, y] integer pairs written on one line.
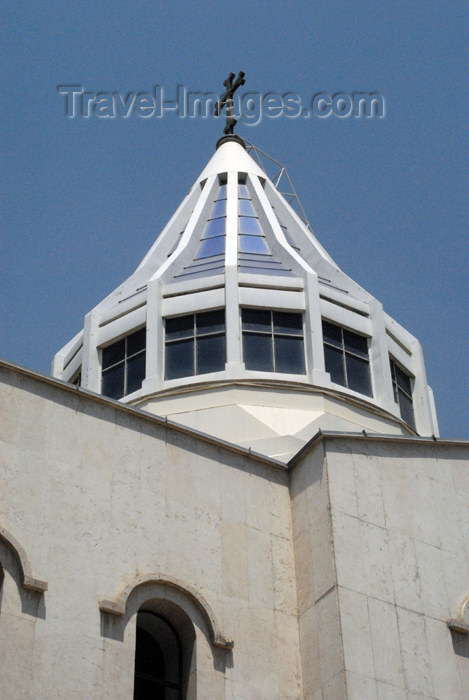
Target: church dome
[[239, 324]]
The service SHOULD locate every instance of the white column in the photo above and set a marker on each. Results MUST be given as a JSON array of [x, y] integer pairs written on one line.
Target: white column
[[91, 367], [379, 360], [154, 362], [422, 396], [233, 335]]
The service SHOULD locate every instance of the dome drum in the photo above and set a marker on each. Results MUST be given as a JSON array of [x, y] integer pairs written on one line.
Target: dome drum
[[237, 291]]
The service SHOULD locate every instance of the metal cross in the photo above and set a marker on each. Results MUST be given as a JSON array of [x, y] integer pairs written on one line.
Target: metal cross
[[227, 100]]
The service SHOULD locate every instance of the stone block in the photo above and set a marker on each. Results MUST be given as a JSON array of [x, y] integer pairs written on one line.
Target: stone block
[[390, 692], [396, 504], [369, 494], [415, 653], [348, 552], [405, 572], [376, 561], [331, 654], [432, 578], [260, 576], [444, 665], [386, 643], [284, 580], [424, 507], [309, 647], [342, 491], [335, 688], [288, 656], [360, 687], [234, 559], [304, 570], [323, 561], [356, 636]]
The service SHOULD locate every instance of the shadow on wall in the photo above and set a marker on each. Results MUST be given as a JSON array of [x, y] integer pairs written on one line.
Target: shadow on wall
[[32, 602], [460, 644], [183, 612]]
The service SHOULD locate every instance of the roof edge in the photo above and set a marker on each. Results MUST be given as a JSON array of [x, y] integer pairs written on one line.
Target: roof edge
[[139, 413], [323, 435]]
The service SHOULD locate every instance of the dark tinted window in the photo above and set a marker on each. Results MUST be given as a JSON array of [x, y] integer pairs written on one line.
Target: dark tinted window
[[158, 659], [195, 344], [123, 365], [402, 387], [113, 353], [273, 341], [346, 358]]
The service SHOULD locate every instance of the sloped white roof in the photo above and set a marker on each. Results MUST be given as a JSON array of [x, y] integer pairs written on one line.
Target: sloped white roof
[[235, 242]]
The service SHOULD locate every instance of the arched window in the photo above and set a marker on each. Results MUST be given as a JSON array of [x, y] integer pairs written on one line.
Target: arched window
[[158, 659]]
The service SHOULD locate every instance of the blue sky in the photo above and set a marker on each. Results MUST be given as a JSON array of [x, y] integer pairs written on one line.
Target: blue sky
[[83, 199]]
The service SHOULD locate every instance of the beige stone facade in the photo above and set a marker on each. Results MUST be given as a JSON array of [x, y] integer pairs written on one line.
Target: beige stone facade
[[327, 578]]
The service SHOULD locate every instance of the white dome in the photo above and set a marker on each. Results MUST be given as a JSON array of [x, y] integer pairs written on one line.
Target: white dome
[[238, 323]]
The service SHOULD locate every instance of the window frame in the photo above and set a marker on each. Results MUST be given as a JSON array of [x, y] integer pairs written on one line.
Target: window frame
[[251, 241], [273, 335], [124, 361], [347, 352], [397, 387], [76, 378], [210, 244], [194, 337], [162, 683]]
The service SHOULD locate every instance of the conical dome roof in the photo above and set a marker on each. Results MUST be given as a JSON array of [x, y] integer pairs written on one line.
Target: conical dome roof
[[238, 322]]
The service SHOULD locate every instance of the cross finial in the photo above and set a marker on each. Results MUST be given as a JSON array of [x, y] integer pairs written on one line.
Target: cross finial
[[227, 100]]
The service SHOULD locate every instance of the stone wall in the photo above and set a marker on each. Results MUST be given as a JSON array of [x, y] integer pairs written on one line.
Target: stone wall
[[335, 579], [100, 496], [381, 532]]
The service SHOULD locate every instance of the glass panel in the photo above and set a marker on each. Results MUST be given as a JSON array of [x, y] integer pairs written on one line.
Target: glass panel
[[256, 320], [253, 244], [219, 209], [289, 354], [246, 208], [403, 381], [215, 227], [288, 323], [407, 411], [334, 364], [221, 192], [356, 343], [249, 226], [210, 354], [332, 334], [358, 374], [181, 327], [113, 382], [243, 191], [257, 352], [210, 322], [136, 341], [113, 353], [180, 359], [212, 246], [135, 372]]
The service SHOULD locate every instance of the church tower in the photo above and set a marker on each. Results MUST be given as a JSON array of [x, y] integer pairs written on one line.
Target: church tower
[[232, 487], [239, 324]]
